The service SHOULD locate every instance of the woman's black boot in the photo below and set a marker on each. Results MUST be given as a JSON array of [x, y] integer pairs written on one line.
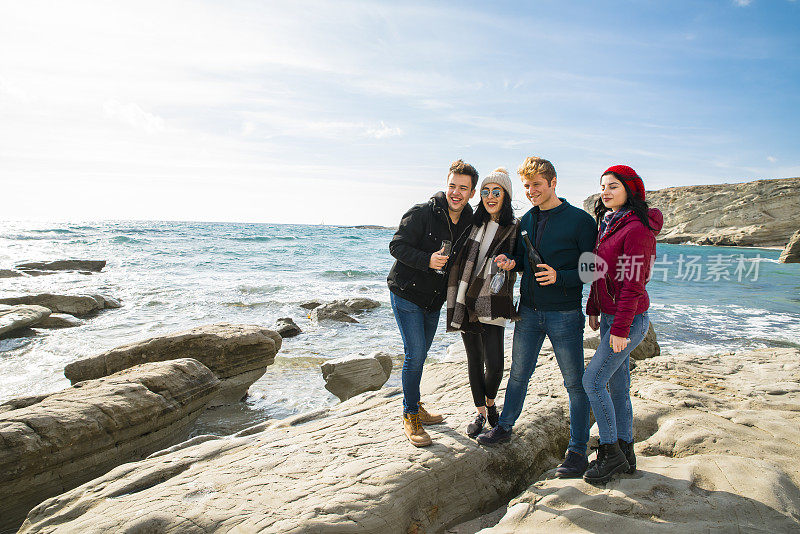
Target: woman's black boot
[[610, 461], [627, 450]]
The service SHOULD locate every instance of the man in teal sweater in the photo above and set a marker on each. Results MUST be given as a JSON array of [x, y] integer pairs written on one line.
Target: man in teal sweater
[[550, 305]]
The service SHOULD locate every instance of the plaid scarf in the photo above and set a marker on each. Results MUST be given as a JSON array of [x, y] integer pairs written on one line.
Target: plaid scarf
[[469, 296], [609, 221]]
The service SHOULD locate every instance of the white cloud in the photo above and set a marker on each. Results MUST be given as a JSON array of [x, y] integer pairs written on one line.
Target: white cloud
[[772, 159], [383, 131], [133, 115], [742, 3]]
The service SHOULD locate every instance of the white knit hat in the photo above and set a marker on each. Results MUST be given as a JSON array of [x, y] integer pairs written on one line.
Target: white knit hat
[[500, 177]]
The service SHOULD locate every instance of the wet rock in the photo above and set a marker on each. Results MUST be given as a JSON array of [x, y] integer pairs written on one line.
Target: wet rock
[[322, 313], [351, 375], [94, 266], [10, 273], [78, 305], [75, 435], [791, 253], [311, 304], [649, 346], [286, 327], [237, 354], [20, 316], [59, 320]]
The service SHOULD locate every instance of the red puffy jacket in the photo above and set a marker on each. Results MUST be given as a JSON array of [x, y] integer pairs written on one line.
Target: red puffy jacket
[[629, 249]]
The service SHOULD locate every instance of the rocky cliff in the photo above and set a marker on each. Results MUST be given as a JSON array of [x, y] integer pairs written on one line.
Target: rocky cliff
[[759, 213]]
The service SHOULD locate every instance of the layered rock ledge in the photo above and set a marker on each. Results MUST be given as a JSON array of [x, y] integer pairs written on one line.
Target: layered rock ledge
[[717, 440], [94, 266], [759, 213], [237, 354], [77, 305], [17, 317], [347, 469], [53, 443]]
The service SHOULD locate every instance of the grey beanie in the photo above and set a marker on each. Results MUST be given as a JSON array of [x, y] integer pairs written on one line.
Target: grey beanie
[[500, 177]]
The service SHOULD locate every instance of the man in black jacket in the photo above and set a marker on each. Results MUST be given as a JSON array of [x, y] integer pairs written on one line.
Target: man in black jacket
[[418, 282]]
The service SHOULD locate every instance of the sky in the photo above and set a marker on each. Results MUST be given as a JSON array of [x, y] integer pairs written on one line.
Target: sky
[[350, 112]]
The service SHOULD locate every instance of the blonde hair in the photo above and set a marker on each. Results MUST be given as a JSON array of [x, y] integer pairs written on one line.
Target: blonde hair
[[533, 166]]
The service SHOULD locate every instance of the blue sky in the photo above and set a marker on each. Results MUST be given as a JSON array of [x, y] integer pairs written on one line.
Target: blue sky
[[349, 112]]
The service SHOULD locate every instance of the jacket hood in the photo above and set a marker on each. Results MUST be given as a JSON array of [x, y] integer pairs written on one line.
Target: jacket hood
[[656, 219]]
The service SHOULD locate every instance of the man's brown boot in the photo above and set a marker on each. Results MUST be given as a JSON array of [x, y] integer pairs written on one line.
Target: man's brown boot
[[428, 418], [414, 431]]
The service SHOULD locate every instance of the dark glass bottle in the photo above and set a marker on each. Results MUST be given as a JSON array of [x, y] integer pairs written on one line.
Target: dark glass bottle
[[534, 258]]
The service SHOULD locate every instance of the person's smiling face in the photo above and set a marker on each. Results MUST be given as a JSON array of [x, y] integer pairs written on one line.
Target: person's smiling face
[[459, 191], [492, 196]]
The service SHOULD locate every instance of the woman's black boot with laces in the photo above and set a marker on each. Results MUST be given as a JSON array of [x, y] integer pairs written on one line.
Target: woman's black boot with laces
[[610, 461]]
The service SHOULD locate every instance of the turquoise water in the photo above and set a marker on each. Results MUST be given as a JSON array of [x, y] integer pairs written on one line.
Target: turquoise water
[[172, 276]]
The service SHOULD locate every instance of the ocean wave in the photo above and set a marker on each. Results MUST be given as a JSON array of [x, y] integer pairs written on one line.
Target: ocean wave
[[349, 274], [239, 304], [265, 238], [258, 290], [128, 240], [54, 231]]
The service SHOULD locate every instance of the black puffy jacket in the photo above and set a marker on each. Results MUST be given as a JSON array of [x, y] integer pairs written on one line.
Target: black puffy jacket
[[419, 235]]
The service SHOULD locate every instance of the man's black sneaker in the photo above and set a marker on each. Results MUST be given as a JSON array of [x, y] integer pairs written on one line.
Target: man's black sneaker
[[627, 450], [573, 466], [492, 417], [496, 435], [610, 461], [476, 427]]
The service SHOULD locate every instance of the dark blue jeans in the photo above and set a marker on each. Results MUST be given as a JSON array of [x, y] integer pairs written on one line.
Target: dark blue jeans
[[607, 381], [565, 330], [417, 328]]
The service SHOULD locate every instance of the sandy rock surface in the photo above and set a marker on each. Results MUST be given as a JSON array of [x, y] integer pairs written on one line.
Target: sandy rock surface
[[77, 305], [53, 443], [237, 354], [759, 213], [791, 253], [717, 441], [94, 266], [347, 469], [347, 377], [20, 316]]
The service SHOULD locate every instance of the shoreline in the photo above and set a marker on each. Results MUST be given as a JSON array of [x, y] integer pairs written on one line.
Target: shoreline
[[691, 413]]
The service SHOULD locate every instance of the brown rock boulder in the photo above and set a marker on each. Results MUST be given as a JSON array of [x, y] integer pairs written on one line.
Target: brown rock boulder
[[75, 435], [94, 266], [237, 354], [15, 317], [791, 254], [77, 305]]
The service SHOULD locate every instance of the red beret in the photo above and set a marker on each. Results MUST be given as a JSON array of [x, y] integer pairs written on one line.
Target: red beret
[[627, 174]]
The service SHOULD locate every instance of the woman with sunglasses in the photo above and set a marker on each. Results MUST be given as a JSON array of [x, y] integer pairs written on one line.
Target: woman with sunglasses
[[617, 305], [477, 307]]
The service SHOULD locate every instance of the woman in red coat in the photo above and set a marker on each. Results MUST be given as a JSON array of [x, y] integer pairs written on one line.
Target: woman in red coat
[[617, 305]]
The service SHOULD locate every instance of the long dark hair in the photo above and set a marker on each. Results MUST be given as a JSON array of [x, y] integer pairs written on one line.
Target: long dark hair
[[506, 212], [634, 203]]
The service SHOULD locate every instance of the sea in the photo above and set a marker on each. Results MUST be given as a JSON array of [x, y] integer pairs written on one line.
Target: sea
[[171, 276]]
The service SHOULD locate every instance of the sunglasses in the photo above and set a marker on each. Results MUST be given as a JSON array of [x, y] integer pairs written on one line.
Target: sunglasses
[[496, 192]]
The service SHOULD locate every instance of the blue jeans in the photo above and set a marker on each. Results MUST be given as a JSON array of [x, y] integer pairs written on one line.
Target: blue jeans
[[417, 328], [565, 330], [607, 381]]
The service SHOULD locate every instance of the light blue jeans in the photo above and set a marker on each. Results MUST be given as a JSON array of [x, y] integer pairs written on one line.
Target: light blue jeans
[[417, 328], [607, 381]]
